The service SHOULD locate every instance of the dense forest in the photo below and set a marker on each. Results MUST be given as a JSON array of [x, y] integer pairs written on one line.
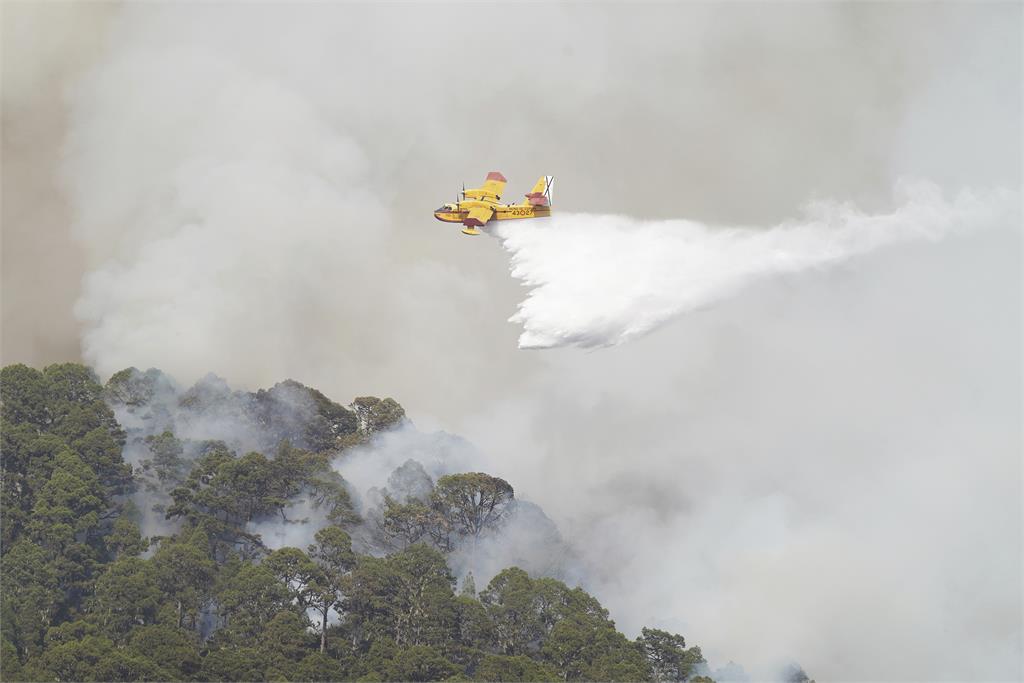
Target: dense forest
[[88, 469]]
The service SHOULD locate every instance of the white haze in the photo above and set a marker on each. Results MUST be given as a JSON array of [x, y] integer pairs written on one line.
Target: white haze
[[822, 466], [526, 537], [602, 280]]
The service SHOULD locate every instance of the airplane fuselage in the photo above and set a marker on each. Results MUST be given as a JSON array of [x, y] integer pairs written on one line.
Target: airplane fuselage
[[457, 213]]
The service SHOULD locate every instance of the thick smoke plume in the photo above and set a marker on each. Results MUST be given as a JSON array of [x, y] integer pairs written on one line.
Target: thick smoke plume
[[602, 280]]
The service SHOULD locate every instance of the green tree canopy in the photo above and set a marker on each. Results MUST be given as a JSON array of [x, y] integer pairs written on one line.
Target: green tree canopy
[[668, 656], [83, 596]]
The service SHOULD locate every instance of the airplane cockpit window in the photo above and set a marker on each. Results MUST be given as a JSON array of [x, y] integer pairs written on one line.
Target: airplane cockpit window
[[444, 207]]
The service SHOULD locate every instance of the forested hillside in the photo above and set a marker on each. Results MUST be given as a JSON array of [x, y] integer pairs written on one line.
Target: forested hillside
[[85, 596]]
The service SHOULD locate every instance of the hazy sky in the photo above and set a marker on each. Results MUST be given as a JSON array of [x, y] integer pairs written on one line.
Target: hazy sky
[[824, 465]]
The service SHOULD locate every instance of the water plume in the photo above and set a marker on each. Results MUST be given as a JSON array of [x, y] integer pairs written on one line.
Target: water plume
[[601, 280]]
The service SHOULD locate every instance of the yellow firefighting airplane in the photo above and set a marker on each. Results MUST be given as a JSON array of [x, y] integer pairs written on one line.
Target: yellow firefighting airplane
[[481, 204]]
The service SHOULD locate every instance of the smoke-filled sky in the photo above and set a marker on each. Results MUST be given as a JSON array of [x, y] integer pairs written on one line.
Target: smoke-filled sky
[[808, 445]]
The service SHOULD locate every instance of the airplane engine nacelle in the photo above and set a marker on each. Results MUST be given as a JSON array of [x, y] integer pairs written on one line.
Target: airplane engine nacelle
[[537, 199]]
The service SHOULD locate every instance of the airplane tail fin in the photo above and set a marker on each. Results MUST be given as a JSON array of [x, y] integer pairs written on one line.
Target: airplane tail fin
[[540, 195]]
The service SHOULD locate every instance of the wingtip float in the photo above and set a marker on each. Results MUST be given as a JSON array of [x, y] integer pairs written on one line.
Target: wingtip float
[[480, 205]]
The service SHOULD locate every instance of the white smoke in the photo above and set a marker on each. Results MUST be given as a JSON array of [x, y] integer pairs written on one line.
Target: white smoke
[[603, 280], [295, 528], [526, 538], [369, 467], [237, 200]]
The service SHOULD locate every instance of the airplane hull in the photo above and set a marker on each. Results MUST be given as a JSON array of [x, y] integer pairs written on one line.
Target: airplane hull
[[509, 213], [501, 213]]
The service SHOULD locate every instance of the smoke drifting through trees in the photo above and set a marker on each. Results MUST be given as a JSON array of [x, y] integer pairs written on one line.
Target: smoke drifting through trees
[[169, 429], [812, 446]]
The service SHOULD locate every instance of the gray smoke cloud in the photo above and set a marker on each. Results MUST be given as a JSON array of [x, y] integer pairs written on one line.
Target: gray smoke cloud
[[405, 462], [152, 404], [822, 466], [44, 46]]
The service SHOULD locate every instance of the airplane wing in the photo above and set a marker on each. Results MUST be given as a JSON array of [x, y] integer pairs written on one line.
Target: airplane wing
[[495, 184], [478, 216]]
